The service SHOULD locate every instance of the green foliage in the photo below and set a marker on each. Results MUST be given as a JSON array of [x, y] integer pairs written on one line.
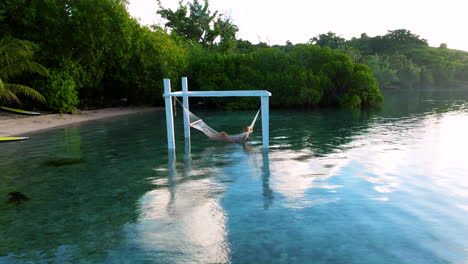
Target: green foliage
[[61, 93], [364, 86], [244, 46], [329, 40], [350, 101], [99, 54], [352, 52], [380, 66], [403, 59], [113, 56], [407, 71], [399, 39], [426, 77], [196, 23], [307, 76], [16, 59], [155, 55]]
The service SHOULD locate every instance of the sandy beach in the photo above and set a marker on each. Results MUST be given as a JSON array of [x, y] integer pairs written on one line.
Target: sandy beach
[[20, 125]]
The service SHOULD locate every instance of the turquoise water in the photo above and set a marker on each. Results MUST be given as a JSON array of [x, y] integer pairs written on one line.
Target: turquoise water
[[382, 186]]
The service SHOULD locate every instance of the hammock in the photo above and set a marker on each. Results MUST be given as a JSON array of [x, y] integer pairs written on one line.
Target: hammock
[[199, 124]]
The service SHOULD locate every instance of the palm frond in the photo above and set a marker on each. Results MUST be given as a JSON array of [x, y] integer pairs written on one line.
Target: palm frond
[[12, 50], [16, 58], [20, 67], [25, 90], [8, 96]]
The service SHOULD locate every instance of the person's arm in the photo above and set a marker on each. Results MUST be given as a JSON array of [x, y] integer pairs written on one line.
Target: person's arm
[[245, 137]]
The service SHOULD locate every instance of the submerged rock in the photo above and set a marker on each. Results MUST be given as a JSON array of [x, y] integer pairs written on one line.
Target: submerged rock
[[63, 162], [17, 198]]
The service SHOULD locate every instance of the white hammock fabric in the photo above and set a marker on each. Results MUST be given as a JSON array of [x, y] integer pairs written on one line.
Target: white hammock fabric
[[199, 124]]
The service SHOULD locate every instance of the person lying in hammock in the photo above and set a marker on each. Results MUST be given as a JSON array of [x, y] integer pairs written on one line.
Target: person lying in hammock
[[223, 136]]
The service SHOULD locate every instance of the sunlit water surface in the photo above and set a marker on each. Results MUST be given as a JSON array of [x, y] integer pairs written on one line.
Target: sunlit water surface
[[382, 186]]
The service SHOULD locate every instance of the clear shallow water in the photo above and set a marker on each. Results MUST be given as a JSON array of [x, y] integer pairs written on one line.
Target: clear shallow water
[[381, 186]]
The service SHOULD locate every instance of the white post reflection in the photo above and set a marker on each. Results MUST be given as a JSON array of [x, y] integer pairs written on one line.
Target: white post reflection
[[267, 192], [186, 221]]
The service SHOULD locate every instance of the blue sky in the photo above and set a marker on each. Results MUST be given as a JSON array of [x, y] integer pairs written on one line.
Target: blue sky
[[275, 21]]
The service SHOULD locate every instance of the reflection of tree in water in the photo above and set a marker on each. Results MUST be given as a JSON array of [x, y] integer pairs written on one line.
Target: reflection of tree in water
[[419, 102], [75, 211], [322, 131], [328, 130]]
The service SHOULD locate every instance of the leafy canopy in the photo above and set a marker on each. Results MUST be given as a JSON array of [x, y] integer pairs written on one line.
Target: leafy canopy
[[330, 40], [16, 58], [196, 23]]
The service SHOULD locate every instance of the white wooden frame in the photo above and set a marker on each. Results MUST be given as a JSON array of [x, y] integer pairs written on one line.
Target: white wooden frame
[[185, 94]]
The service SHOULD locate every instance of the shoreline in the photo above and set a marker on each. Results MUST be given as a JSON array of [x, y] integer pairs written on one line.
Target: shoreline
[[21, 125]]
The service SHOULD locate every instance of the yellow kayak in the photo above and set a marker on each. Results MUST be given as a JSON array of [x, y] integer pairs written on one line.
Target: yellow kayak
[[9, 139], [19, 111]]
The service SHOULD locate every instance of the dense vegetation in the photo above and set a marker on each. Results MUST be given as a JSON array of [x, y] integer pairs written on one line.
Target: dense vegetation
[[308, 75], [97, 54], [402, 59]]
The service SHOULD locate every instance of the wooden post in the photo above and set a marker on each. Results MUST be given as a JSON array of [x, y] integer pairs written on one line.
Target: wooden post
[[169, 115], [185, 111], [265, 124]]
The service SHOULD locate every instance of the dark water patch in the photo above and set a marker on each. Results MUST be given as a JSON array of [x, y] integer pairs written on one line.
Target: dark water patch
[[63, 162], [17, 198]]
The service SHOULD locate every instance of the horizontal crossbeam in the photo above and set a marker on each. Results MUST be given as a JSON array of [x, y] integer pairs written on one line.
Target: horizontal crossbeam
[[219, 93]]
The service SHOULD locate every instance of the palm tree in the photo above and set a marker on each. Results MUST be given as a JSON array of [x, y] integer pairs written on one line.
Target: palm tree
[[16, 58]]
